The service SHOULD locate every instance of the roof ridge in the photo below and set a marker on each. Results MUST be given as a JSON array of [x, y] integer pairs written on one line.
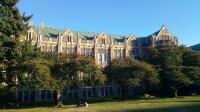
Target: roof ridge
[[78, 31]]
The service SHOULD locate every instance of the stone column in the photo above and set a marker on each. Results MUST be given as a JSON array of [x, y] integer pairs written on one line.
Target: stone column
[[95, 50], [39, 39], [96, 54], [127, 52], [48, 47], [59, 43], [78, 47], [126, 49]]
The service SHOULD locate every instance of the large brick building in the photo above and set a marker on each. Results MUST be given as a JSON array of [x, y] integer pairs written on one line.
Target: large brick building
[[102, 46]]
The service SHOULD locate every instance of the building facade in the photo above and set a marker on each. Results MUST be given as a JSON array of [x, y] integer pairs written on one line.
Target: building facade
[[102, 46]]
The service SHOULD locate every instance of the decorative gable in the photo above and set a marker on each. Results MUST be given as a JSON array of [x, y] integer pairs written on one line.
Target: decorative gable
[[130, 39], [101, 39], [68, 32], [67, 36], [163, 34], [163, 37]]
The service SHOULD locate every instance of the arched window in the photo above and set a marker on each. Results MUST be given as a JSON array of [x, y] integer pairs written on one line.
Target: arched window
[[103, 41], [69, 38], [29, 36]]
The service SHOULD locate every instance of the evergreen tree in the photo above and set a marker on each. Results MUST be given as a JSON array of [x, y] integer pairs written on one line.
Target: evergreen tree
[[12, 26]]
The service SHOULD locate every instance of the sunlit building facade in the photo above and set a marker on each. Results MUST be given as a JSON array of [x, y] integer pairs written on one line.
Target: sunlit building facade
[[102, 46]]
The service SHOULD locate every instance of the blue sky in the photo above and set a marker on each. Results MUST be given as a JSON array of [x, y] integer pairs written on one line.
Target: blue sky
[[140, 17]]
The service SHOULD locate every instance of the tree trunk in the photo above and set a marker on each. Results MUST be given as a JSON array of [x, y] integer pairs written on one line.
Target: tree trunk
[[176, 93], [58, 99]]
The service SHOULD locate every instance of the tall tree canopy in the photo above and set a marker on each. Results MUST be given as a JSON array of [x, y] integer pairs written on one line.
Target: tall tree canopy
[[12, 23], [177, 65], [73, 70], [12, 26], [131, 73], [173, 78]]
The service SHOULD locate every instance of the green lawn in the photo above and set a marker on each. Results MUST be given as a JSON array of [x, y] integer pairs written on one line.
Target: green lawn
[[183, 104]]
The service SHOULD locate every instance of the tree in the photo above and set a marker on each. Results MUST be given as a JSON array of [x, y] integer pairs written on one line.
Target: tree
[[172, 63], [36, 74], [164, 56], [85, 71], [12, 26], [131, 73], [173, 78], [191, 58], [193, 72], [74, 70], [61, 79]]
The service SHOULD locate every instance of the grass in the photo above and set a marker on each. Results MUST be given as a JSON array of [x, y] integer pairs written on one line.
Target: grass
[[181, 104]]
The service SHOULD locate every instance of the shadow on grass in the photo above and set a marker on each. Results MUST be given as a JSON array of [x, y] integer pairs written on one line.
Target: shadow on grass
[[182, 108]]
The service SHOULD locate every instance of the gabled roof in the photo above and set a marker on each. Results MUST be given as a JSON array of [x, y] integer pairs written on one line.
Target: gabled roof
[[157, 32], [51, 32], [48, 31]]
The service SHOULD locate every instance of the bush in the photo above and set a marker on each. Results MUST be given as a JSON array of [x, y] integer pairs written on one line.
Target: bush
[[6, 95]]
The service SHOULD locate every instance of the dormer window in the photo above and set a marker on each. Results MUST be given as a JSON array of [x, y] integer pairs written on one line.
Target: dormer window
[[69, 38]]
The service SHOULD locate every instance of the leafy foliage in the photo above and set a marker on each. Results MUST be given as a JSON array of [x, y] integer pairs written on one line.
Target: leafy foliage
[[173, 78], [132, 73], [178, 66]]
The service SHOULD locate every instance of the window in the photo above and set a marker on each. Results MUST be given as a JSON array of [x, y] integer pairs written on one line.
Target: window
[[119, 55], [103, 57], [103, 40], [165, 37], [29, 35], [88, 51], [106, 57], [100, 57], [69, 39]]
